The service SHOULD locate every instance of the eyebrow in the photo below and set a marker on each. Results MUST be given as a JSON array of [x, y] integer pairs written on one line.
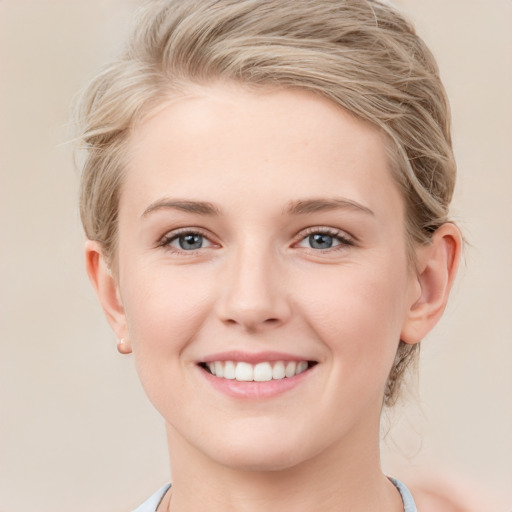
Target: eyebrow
[[304, 206], [198, 207], [299, 207]]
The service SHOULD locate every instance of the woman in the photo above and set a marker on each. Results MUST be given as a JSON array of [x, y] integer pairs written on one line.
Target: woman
[[266, 199]]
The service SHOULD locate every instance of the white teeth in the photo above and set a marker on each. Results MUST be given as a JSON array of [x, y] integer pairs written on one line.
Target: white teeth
[[219, 369], [301, 367], [229, 370], [278, 371], [244, 372], [290, 369], [261, 372]]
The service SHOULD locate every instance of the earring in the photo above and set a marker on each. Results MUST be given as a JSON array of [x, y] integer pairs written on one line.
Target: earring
[[123, 347]]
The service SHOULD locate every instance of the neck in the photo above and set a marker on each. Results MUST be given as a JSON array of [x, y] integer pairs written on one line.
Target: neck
[[341, 478]]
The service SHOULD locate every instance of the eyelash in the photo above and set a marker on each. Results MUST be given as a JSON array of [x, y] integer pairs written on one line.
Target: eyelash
[[168, 238], [344, 241], [340, 236]]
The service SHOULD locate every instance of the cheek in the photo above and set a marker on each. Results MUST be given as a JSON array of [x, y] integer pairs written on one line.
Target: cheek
[[164, 311], [358, 313], [164, 308]]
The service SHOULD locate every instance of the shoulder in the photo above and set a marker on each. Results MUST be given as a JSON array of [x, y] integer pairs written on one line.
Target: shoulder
[[151, 504]]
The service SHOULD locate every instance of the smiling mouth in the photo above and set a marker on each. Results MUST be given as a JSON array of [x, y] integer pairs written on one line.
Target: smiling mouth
[[260, 372]]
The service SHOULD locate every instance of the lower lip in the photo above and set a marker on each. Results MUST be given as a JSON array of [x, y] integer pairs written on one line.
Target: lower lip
[[255, 390]]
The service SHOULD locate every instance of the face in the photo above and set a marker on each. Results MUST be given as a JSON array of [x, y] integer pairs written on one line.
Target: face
[[262, 274]]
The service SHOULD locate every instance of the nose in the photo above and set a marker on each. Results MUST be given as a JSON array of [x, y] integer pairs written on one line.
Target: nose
[[253, 294]]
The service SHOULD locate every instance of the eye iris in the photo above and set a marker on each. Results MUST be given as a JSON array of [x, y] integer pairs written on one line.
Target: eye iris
[[320, 241], [191, 241]]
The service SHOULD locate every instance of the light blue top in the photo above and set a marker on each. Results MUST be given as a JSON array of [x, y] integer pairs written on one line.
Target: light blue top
[[409, 505], [152, 504]]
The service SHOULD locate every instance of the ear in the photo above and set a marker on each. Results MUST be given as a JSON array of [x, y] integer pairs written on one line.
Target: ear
[[107, 289], [437, 265]]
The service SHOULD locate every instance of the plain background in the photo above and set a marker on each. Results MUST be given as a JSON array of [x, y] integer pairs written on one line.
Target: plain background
[[77, 433]]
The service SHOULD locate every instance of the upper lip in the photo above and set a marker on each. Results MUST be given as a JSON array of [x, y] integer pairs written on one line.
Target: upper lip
[[253, 358]]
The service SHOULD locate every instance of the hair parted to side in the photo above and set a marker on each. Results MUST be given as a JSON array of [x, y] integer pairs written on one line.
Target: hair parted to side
[[361, 54]]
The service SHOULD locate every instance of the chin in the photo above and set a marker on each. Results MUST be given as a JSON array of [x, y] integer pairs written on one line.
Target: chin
[[258, 455], [258, 462]]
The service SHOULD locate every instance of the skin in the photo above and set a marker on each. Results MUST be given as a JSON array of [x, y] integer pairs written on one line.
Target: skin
[[257, 284]]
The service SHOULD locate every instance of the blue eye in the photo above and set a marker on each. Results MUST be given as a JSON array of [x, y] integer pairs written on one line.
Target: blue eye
[[186, 241], [190, 241], [321, 241]]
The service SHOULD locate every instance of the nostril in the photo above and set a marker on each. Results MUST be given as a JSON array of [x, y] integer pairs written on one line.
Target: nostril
[[252, 322], [253, 302]]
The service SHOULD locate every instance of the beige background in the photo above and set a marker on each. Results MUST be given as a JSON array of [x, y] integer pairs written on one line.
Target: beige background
[[77, 433]]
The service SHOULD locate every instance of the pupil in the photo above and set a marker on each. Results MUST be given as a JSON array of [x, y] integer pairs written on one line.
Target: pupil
[[320, 241], [191, 241]]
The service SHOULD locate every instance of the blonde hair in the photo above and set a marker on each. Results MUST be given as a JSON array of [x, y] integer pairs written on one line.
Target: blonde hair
[[361, 54]]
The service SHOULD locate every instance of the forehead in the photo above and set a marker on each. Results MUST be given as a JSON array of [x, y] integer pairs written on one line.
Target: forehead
[[227, 140]]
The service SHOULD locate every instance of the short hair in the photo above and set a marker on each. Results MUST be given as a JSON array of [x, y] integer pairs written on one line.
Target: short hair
[[363, 55]]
